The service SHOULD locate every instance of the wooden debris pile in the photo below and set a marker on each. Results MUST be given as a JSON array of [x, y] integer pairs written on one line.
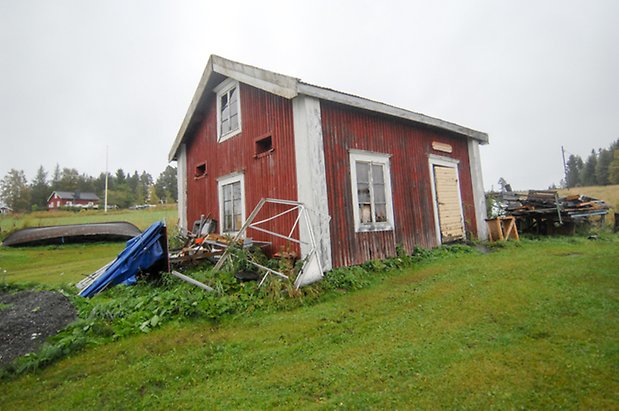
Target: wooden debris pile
[[202, 243], [544, 212]]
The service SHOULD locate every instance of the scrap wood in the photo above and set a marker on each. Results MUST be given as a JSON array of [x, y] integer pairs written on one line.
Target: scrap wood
[[537, 209]]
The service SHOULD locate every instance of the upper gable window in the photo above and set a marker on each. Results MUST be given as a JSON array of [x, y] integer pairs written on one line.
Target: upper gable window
[[228, 110]]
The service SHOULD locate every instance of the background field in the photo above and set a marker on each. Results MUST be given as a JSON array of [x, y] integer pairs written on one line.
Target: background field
[[54, 265], [141, 218], [610, 194]]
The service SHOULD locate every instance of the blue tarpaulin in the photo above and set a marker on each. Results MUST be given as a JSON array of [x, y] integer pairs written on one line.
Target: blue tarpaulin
[[141, 254]]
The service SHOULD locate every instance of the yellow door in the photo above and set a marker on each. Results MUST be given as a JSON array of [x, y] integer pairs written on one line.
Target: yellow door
[[448, 203]]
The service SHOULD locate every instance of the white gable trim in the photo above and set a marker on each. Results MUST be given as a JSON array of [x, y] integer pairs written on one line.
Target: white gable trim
[[289, 87]]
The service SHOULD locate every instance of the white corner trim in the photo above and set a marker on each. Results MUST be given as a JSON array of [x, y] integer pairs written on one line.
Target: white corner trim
[[434, 160], [221, 182], [311, 175], [373, 157], [181, 176], [222, 89], [479, 195]]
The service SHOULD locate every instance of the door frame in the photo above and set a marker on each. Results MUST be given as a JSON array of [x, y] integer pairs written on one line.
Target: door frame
[[434, 160]]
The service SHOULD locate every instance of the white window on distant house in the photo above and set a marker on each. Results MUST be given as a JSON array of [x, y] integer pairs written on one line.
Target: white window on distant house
[[371, 191], [228, 110], [231, 203]]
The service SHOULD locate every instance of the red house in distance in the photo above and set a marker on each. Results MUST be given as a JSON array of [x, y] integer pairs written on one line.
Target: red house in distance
[[59, 199], [385, 175]]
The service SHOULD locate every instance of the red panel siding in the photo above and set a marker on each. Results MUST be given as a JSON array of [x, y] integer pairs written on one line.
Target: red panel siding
[[410, 145], [272, 175]]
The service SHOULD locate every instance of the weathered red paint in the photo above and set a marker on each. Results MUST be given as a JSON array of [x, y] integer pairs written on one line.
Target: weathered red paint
[[270, 175], [410, 145]]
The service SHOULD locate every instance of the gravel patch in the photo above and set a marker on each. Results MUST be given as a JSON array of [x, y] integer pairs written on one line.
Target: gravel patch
[[27, 318]]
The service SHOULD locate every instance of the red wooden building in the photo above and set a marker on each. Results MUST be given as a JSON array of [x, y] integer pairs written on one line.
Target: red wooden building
[[386, 176], [72, 199]]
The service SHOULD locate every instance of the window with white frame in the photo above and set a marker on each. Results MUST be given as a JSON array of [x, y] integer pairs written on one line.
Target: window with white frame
[[228, 110], [371, 191], [231, 203]]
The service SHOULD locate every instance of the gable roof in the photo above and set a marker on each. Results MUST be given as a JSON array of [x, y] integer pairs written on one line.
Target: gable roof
[[75, 195], [218, 69]]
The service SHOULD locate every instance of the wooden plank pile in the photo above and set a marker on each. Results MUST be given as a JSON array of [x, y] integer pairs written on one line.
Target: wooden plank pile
[[203, 244], [544, 212]]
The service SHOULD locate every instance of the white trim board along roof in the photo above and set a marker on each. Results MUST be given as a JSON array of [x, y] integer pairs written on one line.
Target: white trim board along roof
[[219, 68]]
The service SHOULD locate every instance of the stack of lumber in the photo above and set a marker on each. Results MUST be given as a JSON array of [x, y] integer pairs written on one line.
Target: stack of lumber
[[549, 204], [545, 211]]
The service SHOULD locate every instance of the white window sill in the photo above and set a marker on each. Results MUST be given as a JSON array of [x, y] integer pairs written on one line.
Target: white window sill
[[229, 135], [373, 228]]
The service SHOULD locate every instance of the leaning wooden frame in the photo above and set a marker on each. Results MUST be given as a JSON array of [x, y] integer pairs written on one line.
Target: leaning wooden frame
[[311, 271]]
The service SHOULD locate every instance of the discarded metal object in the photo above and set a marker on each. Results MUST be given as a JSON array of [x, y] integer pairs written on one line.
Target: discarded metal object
[[191, 281], [311, 271], [72, 233], [147, 252], [544, 212]]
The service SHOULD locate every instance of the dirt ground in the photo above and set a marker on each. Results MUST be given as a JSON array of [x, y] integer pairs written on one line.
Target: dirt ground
[[27, 318]]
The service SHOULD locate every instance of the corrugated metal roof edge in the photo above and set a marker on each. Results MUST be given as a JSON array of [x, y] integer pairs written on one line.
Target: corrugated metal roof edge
[[290, 87]]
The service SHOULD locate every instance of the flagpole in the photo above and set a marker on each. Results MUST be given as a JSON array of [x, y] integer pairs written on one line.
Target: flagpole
[[106, 173]]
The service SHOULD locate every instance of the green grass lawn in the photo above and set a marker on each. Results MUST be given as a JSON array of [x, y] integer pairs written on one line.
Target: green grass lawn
[[55, 265], [534, 326]]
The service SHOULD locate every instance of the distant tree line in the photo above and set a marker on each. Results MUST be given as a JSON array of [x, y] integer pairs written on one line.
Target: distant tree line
[[601, 168], [124, 189]]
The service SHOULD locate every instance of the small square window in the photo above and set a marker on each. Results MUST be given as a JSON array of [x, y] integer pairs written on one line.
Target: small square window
[[200, 170], [264, 146]]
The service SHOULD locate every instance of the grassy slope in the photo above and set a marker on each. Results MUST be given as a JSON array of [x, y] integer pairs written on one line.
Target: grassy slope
[[533, 326]]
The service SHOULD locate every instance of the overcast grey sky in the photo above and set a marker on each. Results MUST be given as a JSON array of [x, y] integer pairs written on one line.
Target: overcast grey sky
[[77, 76]]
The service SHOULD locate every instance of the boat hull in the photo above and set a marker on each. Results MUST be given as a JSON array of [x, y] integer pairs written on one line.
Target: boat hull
[[72, 233]]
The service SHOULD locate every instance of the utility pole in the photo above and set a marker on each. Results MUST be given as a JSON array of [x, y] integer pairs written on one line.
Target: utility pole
[[564, 164], [106, 173]]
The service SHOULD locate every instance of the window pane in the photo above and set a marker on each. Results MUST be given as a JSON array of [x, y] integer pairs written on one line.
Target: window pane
[[234, 122], [224, 101], [381, 212], [225, 126], [225, 113], [228, 223], [363, 192], [363, 171], [234, 107], [236, 193], [365, 213], [379, 193], [238, 222], [377, 174], [227, 192], [236, 206], [233, 95]]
